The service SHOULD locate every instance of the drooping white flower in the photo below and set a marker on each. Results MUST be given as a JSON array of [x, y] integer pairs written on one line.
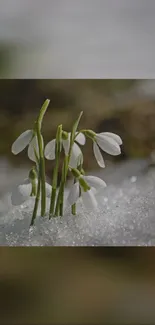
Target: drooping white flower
[[22, 192], [95, 183], [27, 138], [88, 196], [108, 142], [76, 151], [32, 148]]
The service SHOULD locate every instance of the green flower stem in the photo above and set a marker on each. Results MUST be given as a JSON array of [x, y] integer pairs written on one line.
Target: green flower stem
[[64, 177], [88, 133], [80, 169], [42, 171], [56, 169], [74, 209], [52, 202], [57, 208], [36, 203], [32, 178], [41, 156], [74, 205], [42, 112], [34, 188], [60, 198]]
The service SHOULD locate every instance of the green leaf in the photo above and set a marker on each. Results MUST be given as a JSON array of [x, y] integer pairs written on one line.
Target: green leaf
[[58, 146], [75, 126], [43, 111]]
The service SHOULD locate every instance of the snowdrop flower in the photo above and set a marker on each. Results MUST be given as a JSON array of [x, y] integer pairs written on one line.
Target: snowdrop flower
[[23, 192], [108, 142], [27, 138], [86, 186], [95, 183], [76, 151]]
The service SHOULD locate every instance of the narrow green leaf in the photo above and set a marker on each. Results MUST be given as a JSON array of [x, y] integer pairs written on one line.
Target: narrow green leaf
[[43, 111], [75, 126]]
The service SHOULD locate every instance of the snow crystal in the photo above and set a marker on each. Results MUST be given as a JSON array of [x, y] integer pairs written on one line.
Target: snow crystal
[[126, 217]]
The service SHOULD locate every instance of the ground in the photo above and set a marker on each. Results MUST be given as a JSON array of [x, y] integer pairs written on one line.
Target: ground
[[126, 215]]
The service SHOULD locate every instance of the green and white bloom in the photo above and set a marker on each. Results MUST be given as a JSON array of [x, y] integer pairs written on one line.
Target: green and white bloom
[[24, 191], [95, 183], [86, 187], [89, 188], [108, 142], [76, 153], [27, 138]]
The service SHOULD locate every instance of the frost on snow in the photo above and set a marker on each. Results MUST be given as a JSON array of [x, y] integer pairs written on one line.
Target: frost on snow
[[126, 217]]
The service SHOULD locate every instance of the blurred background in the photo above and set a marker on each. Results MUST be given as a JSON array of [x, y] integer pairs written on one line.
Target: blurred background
[[77, 39], [122, 106], [77, 286]]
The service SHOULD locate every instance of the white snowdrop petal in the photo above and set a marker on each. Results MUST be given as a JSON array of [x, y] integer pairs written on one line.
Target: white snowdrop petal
[[100, 198], [76, 150], [98, 155], [50, 150], [80, 159], [74, 194], [33, 144], [66, 145], [114, 136], [76, 156], [73, 162], [89, 200], [95, 182], [94, 190], [80, 138], [21, 142], [108, 144]]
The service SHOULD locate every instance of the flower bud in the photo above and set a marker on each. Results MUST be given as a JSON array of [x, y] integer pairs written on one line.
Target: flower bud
[[75, 172], [64, 135], [32, 174], [84, 184], [91, 134], [33, 180]]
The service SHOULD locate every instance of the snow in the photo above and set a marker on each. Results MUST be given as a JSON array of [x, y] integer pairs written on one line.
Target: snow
[[125, 217]]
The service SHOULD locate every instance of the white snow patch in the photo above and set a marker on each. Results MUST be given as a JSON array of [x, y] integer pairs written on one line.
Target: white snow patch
[[126, 217]]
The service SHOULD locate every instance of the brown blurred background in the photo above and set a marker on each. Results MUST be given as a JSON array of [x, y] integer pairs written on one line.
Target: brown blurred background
[[66, 285], [77, 286], [66, 38], [122, 106]]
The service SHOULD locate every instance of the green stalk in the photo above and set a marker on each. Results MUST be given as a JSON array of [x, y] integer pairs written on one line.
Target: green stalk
[[36, 203], [74, 205], [57, 208], [64, 176], [74, 209], [56, 169], [60, 198], [34, 189], [42, 171], [41, 156]]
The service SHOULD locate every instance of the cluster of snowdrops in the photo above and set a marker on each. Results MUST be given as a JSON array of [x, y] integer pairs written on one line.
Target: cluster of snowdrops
[[68, 144]]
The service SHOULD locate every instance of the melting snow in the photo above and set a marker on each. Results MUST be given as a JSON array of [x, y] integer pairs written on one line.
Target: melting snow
[[126, 217]]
